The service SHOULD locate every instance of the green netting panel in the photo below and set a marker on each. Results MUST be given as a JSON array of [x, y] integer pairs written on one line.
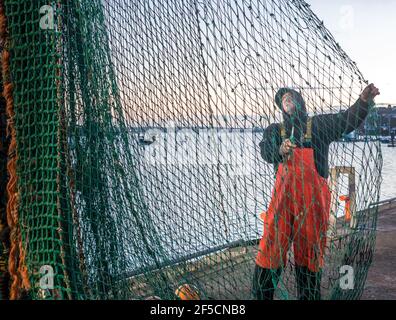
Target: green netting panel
[[146, 150], [33, 73]]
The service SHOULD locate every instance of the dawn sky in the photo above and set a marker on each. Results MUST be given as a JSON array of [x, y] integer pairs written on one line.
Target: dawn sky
[[366, 30]]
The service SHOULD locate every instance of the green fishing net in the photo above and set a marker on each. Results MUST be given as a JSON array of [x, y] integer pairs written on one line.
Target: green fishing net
[[138, 127]]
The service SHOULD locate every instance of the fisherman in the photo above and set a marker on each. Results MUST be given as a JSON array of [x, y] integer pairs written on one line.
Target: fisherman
[[300, 204]]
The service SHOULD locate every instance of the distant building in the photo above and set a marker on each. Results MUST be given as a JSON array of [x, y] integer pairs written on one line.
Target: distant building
[[386, 124]]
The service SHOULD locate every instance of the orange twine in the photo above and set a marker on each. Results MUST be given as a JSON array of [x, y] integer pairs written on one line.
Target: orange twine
[[16, 264]]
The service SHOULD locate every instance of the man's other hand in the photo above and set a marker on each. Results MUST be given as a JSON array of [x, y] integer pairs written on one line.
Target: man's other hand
[[286, 147]]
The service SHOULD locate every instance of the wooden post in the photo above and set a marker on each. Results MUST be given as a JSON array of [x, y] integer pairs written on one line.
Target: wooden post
[[333, 185]]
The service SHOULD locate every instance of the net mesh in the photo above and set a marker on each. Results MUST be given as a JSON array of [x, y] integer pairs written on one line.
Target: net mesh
[[142, 138]]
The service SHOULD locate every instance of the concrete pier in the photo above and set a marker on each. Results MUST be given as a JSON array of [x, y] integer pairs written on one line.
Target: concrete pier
[[381, 279]]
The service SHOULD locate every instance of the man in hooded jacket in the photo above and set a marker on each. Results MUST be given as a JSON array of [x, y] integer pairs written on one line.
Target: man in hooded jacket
[[300, 203]]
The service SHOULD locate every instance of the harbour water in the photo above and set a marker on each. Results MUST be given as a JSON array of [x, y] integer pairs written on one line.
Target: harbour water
[[204, 190], [388, 186]]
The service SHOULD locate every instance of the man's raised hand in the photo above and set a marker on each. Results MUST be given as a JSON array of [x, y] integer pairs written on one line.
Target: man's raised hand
[[369, 93]]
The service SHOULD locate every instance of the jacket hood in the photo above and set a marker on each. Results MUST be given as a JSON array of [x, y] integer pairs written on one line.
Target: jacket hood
[[300, 103], [298, 119]]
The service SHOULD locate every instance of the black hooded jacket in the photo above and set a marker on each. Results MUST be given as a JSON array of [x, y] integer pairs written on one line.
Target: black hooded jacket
[[326, 128]]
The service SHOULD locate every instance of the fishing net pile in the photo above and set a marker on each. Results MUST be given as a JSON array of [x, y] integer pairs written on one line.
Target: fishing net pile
[[132, 153]]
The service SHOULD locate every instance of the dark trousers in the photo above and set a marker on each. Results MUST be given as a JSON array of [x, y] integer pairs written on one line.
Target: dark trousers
[[265, 282]]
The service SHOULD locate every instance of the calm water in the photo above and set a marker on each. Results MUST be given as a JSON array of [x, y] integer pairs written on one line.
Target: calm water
[[203, 191], [388, 187]]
